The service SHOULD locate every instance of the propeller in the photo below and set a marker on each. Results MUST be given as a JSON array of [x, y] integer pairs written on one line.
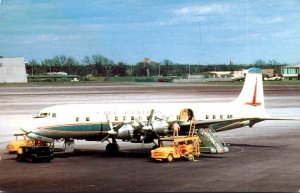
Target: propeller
[[110, 125], [36, 136], [26, 132], [148, 126], [113, 130]]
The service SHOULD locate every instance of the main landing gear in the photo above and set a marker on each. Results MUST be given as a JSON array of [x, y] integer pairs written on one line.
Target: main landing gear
[[112, 148]]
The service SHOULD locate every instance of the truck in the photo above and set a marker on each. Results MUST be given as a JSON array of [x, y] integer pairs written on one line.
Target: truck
[[34, 153], [14, 145], [171, 148]]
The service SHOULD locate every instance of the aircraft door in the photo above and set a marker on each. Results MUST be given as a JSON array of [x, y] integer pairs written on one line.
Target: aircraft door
[[186, 115]]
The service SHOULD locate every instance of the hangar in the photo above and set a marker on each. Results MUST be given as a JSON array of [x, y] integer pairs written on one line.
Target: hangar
[[12, 70]]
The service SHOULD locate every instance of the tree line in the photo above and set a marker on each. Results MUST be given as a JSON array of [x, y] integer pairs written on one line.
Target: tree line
[[98, 65]]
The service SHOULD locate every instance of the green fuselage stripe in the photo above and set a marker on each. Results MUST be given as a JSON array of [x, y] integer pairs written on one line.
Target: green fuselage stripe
[[76, 128]]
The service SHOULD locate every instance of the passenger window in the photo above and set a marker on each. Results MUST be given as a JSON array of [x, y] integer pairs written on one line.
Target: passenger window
[[116, 119], [53, 115], [214, 116], [87, 119], [207, 116], [77, 119], [132, 118], [221, 116], [124, 118]]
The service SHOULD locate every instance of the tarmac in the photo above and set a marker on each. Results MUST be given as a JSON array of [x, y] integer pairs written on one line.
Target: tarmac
[[264, 158]]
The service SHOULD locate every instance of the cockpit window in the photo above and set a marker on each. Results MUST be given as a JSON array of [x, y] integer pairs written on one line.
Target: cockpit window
[[44, 114]]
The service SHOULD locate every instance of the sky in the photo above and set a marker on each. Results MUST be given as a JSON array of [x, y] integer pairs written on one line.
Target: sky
[[183, 31]]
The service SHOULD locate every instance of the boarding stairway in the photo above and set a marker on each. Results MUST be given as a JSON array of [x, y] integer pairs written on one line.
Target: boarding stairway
[[211, 142]]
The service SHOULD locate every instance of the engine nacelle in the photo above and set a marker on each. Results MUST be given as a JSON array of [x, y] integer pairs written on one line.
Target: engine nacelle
[[160, 127], [40, 138], [125, 132], [136, 134], [146, 139]]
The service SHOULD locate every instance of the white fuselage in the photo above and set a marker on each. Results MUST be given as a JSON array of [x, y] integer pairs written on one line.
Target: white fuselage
[[92, 120]]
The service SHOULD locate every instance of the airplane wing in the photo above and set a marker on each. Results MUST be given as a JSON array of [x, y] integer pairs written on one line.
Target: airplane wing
[[227, 124]]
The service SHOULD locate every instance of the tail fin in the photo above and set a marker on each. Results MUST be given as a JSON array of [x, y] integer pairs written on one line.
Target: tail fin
[[252, 94]]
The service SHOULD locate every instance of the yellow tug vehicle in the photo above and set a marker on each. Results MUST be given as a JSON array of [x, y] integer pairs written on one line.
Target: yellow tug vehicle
[[14, 145], [176, 147], [171, 148]]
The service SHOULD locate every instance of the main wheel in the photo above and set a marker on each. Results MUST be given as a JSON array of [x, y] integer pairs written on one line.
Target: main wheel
[[191, 157], [170, 158], [112, 149], [19, 159], [31, 160], [48, 160]]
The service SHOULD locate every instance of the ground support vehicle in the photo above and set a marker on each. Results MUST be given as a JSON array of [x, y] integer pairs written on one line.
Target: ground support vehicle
[[14, 145], [34, 153], [171, 148]]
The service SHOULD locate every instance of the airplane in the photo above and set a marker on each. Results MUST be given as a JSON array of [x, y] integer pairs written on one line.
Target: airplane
[[144, 123], [274, 78]]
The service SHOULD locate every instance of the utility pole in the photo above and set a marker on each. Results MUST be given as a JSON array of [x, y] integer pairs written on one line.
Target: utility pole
[[158, 69]]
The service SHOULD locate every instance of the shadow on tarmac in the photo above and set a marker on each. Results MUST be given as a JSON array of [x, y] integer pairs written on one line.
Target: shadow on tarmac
[[133, 153], [249, 145]]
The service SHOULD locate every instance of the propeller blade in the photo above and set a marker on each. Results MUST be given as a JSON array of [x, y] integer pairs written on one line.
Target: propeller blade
[[109, 122], [147, 128], [105, 138], [26, 132], [150, 117], [143, 140], [140, 122], [116, 128], [112, 132]]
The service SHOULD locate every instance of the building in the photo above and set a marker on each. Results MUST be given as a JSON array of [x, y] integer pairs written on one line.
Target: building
[[12, 70], [240, 73], [57, 73], [268, 73], [291, 72]]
